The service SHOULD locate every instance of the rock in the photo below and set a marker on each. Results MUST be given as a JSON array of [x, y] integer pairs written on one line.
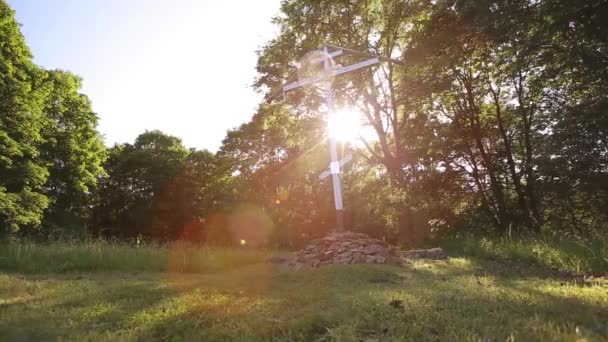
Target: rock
[[432, 253], [372, 249], [297, 266], [276, 260], [345, 254], [345, 248]]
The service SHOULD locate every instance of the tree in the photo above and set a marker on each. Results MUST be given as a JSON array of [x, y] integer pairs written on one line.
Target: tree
[[159, 189], [378, 27], [507, 84], [72, 150], [137, 176], [276, 159], [50, 150], [22, 93]]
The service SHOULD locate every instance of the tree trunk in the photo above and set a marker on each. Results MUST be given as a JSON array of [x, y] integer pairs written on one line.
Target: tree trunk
[[472, 111], [490, 208], [529, 170], [521, 199]]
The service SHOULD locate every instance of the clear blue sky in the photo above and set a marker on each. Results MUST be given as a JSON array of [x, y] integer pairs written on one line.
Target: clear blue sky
[[182, 66]]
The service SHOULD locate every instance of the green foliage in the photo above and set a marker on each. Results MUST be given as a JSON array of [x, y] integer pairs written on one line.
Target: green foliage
[[588, 257], [73, 149], [50, 150], [157, 188], [495, 116], [276, 159], [22, 93]]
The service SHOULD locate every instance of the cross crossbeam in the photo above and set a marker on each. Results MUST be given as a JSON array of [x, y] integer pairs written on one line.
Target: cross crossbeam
[[332, 73]]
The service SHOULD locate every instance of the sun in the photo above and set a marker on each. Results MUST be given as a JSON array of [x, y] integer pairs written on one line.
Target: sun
[[344, 125]]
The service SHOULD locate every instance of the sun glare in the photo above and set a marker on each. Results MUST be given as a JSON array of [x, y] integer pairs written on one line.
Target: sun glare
[[344, 125]]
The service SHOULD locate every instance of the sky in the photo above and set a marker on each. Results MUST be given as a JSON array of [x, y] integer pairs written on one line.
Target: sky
[[182, 66]]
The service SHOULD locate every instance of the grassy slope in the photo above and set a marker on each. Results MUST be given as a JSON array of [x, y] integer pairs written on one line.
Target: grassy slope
[[590, 257], [459, 299]]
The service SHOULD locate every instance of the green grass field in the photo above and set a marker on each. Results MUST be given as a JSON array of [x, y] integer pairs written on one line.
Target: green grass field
[[103, 293]]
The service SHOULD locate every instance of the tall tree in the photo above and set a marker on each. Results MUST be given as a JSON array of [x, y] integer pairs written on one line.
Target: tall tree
[[508, 85], [22, 93], [137, 176], [375, 26], [72, 150]]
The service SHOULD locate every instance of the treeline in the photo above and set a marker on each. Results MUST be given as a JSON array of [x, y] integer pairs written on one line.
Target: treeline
[[51, 154], [497, 123]]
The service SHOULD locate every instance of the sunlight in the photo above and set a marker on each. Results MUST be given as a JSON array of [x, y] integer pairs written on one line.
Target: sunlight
[[345, 125]]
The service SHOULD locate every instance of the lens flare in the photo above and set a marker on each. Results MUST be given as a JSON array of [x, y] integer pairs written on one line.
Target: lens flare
[[312, 66], [344, 125], [250, 224]]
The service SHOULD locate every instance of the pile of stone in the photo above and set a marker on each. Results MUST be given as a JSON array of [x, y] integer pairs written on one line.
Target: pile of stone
[[345, 248], [431, 253]]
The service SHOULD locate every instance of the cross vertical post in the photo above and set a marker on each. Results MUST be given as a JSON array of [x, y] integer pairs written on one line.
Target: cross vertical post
[[333, 149]]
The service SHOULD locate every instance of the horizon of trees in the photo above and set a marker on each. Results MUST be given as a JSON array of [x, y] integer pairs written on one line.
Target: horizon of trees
[[497, 124]]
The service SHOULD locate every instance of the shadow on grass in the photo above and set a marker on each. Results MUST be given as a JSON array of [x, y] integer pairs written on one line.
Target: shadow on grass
[[353, 302], [490, 302], [65, 307], [446, 300]]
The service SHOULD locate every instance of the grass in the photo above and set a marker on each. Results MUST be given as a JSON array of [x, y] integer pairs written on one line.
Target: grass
[[567, 255], [30, 258], [104, 292]]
